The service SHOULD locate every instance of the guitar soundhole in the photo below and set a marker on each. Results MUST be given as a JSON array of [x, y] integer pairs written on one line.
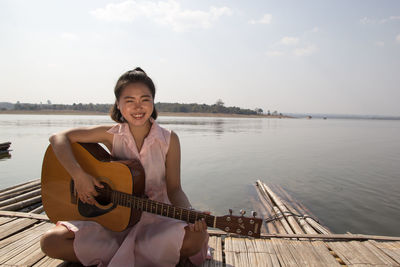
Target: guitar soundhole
[[104, 197]]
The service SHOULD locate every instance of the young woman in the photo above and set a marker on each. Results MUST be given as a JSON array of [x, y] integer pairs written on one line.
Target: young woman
[[154, 240]]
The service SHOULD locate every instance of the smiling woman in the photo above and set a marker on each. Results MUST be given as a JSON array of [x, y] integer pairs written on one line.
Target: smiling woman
[[136, 138]]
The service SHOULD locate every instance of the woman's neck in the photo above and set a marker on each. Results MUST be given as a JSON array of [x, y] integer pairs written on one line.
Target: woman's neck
[[139, 133]]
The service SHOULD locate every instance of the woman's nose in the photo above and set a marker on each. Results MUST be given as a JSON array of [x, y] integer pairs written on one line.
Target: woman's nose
[[137, 105]]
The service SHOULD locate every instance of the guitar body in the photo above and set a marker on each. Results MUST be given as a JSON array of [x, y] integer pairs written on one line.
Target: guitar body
[[61, 202]]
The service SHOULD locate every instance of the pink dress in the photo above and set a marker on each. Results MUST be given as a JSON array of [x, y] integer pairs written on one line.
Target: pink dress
[[154, 240]]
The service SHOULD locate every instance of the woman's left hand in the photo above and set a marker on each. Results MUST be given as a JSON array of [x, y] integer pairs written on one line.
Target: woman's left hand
[[198, 226]]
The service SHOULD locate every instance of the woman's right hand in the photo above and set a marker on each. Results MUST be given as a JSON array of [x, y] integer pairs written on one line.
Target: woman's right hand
[[85, 187]]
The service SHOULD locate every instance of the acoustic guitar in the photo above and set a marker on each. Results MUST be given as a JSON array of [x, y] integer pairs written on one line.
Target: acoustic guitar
[[121, 202]]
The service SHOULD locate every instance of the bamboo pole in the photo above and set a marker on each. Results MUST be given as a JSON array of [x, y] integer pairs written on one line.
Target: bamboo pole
[[283, 220], [297, 205], [37, 210], [291, 220], [318, 227], [24, 215], [22, 204], [268, 204], [261, 212], [280, 225], [35, 181], [19, 198], [20, 187], [17, 193], [307, 228], [359, 237], [268, 212], [307, 219]]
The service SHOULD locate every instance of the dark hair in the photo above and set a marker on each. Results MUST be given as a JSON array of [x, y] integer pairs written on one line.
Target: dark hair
[[132, 76]]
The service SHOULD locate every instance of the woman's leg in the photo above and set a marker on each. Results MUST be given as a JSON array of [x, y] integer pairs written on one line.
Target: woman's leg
[[58, 243]]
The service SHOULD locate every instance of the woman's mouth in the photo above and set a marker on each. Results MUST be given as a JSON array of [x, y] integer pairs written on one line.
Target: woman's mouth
[[138, 116]]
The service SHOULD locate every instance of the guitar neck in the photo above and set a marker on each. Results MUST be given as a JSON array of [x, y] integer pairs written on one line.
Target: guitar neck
[[228, 223], [162, 209]]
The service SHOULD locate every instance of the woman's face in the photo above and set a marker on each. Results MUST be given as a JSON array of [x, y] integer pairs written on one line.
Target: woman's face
[[136, 104]]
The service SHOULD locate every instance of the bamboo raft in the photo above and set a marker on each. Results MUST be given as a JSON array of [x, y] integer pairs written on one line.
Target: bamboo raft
[[291, 236], [5, 150], [5, 146]]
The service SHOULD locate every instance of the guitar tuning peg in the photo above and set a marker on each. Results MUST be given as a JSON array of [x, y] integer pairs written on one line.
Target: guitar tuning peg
[[254, 213], [230, 211], [242, 212]]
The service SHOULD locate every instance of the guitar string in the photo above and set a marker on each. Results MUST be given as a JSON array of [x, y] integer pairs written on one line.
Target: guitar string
[[155, 206]]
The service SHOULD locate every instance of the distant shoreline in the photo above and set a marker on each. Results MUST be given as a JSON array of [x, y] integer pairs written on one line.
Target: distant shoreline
[[172, 114]]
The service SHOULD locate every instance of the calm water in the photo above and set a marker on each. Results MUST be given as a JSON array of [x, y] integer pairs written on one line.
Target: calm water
[[347, 172]]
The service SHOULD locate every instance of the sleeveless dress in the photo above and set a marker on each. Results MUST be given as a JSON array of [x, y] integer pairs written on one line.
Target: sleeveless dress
[[154, 240]]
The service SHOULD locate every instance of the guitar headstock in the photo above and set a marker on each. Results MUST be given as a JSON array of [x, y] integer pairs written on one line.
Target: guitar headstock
[[248, 226]]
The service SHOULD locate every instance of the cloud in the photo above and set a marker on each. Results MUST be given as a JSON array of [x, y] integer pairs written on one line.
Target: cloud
[[274, 53], [69, 36], [305, 51], [389, 19], [398, 38], [366, 20], [289, 40], [380, 43], [266, 19], [168, 13], [315, 29]]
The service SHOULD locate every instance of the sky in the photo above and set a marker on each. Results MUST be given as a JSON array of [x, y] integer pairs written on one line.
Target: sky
[[331, 57]]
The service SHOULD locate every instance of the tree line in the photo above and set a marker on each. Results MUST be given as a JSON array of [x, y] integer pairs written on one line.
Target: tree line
[[78, 107], [204, 108], [218, 107]]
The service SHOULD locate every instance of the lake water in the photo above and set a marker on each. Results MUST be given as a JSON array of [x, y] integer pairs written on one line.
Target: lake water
[[347, 172]]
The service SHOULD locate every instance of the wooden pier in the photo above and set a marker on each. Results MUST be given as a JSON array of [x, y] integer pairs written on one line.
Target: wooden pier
[[291, 236]]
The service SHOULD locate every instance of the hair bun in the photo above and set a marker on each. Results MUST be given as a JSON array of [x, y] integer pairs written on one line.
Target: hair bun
[[139, 69]]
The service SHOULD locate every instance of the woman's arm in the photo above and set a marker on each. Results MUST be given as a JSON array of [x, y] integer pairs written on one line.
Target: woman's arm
[[61, 144], [174, 188], [173, 174]]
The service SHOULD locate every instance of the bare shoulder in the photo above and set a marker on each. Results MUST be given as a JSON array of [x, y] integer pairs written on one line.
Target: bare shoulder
[[174, 141], [174, 137], [174, 145]]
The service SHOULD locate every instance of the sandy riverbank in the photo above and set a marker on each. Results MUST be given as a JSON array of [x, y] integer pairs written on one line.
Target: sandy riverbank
[[177, 114], [52, 112]]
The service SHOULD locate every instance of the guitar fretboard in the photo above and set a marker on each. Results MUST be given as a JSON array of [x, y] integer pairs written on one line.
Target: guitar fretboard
[[158, 208]]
